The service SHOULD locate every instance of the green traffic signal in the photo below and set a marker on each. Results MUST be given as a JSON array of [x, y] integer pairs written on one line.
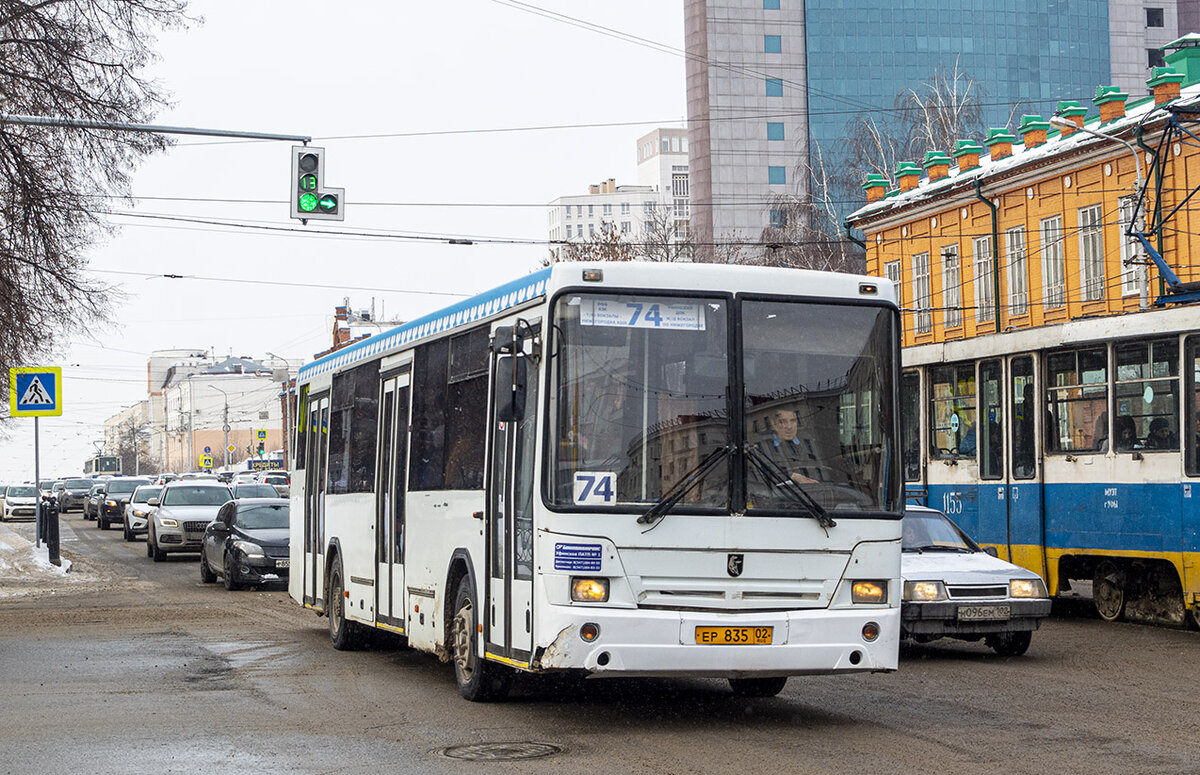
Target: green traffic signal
[[328, 203], [307, 203]]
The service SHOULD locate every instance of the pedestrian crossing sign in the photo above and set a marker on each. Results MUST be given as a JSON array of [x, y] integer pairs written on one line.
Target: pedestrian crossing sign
[[35, 391]]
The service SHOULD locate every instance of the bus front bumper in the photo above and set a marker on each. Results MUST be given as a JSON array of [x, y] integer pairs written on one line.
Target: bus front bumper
[[665, 643]]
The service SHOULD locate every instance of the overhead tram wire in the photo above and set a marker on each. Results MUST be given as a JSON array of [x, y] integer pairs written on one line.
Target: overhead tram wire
[[277, 283]]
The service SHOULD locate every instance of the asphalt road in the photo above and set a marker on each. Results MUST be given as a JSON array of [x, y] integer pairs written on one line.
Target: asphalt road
[[145, 669]]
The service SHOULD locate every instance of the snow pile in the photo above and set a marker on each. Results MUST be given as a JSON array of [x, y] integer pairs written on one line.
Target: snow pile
[[25, 568]]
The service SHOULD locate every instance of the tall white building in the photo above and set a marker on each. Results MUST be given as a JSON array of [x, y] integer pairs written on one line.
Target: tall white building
[[661, 196]]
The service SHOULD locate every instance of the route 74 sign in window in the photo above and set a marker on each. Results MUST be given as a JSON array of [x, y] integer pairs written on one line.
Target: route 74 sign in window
[[35, 391]]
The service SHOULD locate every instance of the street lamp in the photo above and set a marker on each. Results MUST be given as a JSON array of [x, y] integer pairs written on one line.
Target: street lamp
[[287, 400], [1062, 122], [225, 423]]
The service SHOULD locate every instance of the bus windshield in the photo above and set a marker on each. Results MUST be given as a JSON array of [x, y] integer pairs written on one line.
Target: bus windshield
[[643, 411]]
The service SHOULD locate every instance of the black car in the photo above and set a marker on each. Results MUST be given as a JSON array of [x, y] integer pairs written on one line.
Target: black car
[[74, 494], [91, 506], [116, 495], [247, 544]]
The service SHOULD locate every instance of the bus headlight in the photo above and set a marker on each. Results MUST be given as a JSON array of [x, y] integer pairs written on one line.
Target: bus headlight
[[924, 590], [589, 590], [868, 592], [1027, 588]]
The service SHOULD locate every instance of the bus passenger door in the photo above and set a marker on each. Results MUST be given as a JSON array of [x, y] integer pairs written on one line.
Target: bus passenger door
[[508, 631], [314, 501], [1026, 526], [389, 501]]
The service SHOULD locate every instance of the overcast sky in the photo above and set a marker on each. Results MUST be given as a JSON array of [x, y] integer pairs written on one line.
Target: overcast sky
[[429, 114]]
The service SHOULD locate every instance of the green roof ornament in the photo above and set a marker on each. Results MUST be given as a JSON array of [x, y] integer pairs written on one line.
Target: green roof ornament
[[963, 147], [1160, 75], [1032, 124], [1109, 94], [999, 135], [907, 168], [933, 158]]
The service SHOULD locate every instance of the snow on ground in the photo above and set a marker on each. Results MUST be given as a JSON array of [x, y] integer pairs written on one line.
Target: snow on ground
[[26, 570]]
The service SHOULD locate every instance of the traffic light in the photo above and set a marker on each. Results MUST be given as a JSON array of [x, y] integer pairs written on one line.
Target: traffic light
[[310, 198], [261, 449]]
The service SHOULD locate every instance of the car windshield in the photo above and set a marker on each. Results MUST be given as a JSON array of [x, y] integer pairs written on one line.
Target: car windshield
[[20, 491], [77, 484], [263, 517], [143, 494], [187, 495], [254, 491], [47, 485], [929, 531], [123, 486]]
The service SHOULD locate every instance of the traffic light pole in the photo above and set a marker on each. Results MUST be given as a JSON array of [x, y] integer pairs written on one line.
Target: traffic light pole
[[120, 126]]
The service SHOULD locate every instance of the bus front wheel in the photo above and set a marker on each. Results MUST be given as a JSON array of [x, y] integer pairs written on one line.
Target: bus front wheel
[[478, 679], [343, 632]]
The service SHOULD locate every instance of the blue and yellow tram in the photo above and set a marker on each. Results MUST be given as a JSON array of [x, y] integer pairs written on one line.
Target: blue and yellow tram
[[1073, 449]]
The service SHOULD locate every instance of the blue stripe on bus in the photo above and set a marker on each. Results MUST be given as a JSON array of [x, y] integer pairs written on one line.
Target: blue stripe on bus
[[1103, 516], [477, 307]]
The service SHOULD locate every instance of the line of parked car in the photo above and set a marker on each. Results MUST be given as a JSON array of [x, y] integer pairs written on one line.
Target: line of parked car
[[239, 527]]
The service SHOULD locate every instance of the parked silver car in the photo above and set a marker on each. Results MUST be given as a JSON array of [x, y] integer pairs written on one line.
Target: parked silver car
[[184, 509]]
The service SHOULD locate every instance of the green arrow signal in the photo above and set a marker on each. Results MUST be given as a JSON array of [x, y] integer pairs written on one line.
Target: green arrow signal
[[328, 203]]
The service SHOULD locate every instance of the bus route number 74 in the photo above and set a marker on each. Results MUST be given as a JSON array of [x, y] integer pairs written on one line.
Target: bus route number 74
[[595, 488]]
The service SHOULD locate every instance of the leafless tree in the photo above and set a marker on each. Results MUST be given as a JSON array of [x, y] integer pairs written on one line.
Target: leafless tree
[[805, 232], [946, 108], [665, 237], [79, 59]]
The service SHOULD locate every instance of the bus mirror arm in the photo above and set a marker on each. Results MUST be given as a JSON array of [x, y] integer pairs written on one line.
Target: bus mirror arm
[[510, 388]]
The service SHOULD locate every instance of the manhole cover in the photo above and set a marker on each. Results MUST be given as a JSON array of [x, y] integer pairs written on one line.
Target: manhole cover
[[491, 752]]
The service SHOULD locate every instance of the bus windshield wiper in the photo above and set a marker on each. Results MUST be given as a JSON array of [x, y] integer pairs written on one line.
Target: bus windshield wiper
[[772, 473], [686, 484]]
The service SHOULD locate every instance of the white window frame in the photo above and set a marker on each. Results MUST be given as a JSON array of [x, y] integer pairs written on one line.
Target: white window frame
[[1091, 252], [1054, 263], [952, 286], [1131, 249], [1018, 271], [923, 315], [985, 303]]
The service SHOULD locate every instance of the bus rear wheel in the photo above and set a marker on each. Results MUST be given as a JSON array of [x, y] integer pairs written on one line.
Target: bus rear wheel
[[757, 687], [1108, 591], [478, 679]]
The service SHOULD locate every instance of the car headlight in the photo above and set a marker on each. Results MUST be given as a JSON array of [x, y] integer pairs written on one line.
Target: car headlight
[[249, 549], [924, 590], [139, 513], [110, 503], [588, 590], [167, 522], [1027, 588], [868, 592]]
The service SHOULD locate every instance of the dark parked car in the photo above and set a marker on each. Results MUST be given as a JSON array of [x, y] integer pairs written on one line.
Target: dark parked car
[[91, 507], [116, 495], [247, 545], [74, 494]]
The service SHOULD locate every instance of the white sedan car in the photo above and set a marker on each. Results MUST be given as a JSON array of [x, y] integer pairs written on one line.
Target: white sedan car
[[955, 589]]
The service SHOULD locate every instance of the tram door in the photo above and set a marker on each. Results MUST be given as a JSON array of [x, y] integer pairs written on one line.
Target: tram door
[[314, 501], [508, 630], [1026, 524], [993, 487], [389, 500]]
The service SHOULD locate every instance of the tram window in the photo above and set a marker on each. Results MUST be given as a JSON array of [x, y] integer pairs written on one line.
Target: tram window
[[353, 428], [1024, 409], [1192, 398], [952, 411], [1076, 400], [910, 424], [991, 438], [1147, 393]]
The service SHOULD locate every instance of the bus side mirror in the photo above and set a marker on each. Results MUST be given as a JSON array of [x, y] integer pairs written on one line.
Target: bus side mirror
[[510, 388]]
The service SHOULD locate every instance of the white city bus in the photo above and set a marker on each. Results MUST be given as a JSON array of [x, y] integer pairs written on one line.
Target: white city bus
[[578, 471]]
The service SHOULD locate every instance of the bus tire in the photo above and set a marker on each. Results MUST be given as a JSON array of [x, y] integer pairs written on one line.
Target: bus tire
[[1108, 591], [478, 679], [342, 632], [757, 687]]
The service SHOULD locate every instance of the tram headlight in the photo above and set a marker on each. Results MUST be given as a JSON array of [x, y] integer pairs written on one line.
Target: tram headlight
[[584, 590], [924, 590], [868, 592], [1027, 588]]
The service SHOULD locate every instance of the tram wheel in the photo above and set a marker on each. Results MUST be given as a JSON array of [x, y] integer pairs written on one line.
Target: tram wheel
[[478, 679], [1108, 591]]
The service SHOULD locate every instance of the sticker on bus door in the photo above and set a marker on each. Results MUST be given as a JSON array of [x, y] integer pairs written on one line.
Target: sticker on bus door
[[595, 488]]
